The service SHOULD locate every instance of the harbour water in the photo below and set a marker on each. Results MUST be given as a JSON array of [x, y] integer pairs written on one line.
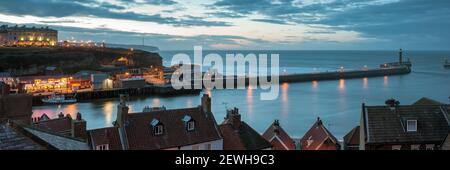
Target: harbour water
[[337, 102]]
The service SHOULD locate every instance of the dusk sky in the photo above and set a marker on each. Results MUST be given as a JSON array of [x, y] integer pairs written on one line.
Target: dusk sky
[[243, 24]]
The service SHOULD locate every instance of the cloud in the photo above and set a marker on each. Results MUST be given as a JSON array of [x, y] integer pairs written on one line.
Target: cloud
[[62, 8], [401, 22]]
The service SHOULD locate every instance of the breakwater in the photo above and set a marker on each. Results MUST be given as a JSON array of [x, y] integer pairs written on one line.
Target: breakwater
[[306, 77]]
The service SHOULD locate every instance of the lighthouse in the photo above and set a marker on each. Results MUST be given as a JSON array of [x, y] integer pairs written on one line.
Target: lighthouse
[[400, 56]]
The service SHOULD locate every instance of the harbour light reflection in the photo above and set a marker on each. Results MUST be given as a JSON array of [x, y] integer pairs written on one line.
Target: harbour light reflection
[[108, 109], [341, 85], [365, 83], [386, 81], [250, 101], [284, 99]]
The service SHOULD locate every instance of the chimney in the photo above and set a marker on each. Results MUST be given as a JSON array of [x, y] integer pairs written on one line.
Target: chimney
[[234, 118], [392, 103], [122, 111], [319, 122], [206, 103], [79, 127], [60, 115], [276, 125]]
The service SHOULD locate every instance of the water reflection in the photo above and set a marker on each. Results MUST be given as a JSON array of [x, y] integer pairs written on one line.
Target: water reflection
[[341, 85], [365, 83], [156, 102], [71, 109], [284, 99], [315, 85], [250, 101], [386, 81], [189, 103], [108, 109]]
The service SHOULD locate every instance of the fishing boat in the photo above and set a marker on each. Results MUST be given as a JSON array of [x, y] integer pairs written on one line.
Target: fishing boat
[[58, 99]]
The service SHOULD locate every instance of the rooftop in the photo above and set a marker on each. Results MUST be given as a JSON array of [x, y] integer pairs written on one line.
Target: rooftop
[[276, 135], [238, 135], [386, 124], [139, 129], [319, 138]]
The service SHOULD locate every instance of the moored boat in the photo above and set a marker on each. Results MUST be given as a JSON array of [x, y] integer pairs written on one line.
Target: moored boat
[[58, 99]]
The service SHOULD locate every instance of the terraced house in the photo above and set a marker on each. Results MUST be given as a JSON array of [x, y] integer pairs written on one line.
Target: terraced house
[[423, 125]]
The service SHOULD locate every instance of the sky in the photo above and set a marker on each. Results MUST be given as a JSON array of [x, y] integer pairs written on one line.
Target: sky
[[243, 24]]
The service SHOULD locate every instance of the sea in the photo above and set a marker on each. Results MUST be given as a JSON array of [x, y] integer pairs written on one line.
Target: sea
[[338, 103]]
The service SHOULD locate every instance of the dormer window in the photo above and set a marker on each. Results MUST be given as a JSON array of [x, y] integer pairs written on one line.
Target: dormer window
[[189, 122], [190, 126], [158, 130], [157, 127], [411, 126]]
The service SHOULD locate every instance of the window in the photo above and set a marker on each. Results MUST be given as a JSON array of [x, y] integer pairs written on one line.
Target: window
[[429, 147], [415, 147], [411, 126], [396, 147], [208, 146], [102, 147], [190, 126], [158, 130]]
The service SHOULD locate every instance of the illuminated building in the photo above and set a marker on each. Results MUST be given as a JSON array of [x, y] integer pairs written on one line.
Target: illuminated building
[[27, 36], [61, 84]]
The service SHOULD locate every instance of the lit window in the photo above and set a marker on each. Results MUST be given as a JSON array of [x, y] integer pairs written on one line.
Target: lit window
[[102, 147], [415, 147], [411, 125], [190, 125], [396, 147], [429, 146]]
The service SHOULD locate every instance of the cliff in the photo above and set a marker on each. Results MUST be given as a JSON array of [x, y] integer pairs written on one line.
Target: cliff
[[28, 60]]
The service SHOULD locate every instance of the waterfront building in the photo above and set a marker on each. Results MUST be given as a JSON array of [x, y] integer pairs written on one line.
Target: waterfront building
[[135, 82], [27, 36], [319, 137], [238, 135], [160, 129], [101, 81], [50, 84], [351, 139], [423, 125], [279, 139]]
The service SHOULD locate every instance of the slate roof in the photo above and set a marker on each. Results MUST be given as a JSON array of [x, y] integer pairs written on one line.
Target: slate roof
[[139, 132], [62, 125], [108, 135], [59, 141], [244, 138], [13, 139], [276, 135], [387, 125], [319, 138], [427, 101], [352, 137]]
